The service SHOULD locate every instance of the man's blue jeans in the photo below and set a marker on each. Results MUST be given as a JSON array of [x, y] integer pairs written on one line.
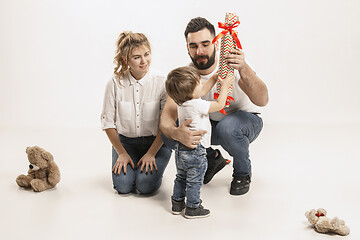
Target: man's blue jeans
[[234, 133], [191, 165], [144, 183]]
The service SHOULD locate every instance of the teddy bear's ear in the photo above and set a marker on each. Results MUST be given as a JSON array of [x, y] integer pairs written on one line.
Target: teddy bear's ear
[[47, 156], [27, 150]]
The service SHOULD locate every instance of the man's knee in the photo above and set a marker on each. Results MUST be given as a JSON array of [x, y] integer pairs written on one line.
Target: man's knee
[[227, 131]]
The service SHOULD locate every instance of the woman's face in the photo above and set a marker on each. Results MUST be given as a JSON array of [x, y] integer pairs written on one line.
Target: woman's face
[[139, 61]]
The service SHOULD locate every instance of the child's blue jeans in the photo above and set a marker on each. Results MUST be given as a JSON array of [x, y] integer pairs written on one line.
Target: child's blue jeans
[[191, 165]]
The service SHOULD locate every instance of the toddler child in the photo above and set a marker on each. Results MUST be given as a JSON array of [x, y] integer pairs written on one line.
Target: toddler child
[[184, 86]]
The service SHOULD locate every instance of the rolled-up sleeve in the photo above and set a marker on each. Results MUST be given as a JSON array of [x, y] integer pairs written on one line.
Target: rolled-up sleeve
[[108, 115]]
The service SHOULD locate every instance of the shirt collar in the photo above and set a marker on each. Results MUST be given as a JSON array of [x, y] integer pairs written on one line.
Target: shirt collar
[[142, 81]]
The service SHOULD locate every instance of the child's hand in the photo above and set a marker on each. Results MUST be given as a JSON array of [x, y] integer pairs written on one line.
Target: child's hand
[[226, 82]]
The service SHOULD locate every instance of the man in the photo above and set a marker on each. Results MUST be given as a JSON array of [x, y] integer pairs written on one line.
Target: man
[[242, 124]]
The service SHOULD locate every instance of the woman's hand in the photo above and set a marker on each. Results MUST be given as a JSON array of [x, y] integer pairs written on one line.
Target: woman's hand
[[122, 162], [147, 162]]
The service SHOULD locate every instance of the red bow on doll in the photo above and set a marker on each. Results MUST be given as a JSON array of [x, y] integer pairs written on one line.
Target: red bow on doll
[[216, 96], [228, 29], [319, 214]]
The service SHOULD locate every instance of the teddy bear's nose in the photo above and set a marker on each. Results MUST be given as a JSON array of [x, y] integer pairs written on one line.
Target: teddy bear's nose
[[31, 166]]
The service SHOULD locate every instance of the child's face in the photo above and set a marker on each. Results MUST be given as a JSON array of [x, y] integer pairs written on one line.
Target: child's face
[[198, 90], [139, 61]]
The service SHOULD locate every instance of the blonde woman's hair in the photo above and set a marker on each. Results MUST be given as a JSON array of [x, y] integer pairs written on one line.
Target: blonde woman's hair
[[181, 83], [125, 44]]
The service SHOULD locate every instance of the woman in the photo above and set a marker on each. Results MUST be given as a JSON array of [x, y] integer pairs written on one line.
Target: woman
[[133, 101]]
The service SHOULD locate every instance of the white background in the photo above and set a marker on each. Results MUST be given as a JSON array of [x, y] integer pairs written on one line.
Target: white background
[[56, 56]]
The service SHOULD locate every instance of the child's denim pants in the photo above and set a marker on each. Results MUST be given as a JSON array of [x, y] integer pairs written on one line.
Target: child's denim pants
[[191, 165]]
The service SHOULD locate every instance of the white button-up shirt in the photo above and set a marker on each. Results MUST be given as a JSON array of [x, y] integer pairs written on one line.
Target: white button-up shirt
[[133, 106]]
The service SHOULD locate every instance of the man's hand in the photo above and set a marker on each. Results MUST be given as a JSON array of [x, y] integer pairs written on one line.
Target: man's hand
[[236, 59], [186, 136]]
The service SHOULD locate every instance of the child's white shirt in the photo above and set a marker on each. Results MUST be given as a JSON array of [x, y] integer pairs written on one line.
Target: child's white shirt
[[198, 111]]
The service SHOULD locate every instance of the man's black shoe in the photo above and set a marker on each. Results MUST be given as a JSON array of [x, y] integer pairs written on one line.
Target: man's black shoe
[[240, 185], [215, 164]]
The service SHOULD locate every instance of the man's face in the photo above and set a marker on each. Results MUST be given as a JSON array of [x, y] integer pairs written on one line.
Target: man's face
[[200, 49]]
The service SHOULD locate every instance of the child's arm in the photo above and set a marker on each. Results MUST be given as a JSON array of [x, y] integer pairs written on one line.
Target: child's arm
[[207, 86], [220, 102]]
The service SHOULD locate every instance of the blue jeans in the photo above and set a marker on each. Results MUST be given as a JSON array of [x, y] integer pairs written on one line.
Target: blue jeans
[[234, 133], [144, 183], [191, 165]]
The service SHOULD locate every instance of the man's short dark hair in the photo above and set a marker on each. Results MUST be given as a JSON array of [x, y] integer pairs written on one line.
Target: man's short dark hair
[[197, 24]]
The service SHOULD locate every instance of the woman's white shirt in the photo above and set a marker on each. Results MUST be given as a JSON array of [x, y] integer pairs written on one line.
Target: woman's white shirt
[[133, 107]]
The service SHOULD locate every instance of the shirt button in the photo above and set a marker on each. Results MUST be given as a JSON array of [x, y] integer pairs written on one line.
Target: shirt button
[[137, 126], [137, 103], [137, 90], [137, 114]]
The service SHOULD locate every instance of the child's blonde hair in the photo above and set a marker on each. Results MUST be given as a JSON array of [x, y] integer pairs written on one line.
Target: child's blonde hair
[[125, 44], [181, 83]]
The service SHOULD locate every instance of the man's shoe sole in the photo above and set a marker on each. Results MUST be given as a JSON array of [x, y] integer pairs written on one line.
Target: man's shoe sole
[[240, 191]]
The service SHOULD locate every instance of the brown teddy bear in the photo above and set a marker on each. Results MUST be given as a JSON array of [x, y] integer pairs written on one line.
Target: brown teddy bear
[[326, 225], [43, 172]]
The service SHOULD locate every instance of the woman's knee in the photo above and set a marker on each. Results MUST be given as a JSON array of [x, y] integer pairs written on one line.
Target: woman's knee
[[146, 184], [123, 184]]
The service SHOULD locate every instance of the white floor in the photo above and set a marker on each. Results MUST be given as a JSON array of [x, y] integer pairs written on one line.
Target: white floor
[[295, 168]]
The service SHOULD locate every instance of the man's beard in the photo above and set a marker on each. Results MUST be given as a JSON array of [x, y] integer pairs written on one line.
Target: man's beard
[[204, 65]]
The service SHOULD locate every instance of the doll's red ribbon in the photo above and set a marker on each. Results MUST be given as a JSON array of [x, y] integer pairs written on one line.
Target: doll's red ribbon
[[319, 214], [228, 29], [216, 96]]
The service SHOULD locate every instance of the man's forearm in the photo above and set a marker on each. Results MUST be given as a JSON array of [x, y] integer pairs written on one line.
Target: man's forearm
[[167, 125], [168, 118], [253, 86]]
